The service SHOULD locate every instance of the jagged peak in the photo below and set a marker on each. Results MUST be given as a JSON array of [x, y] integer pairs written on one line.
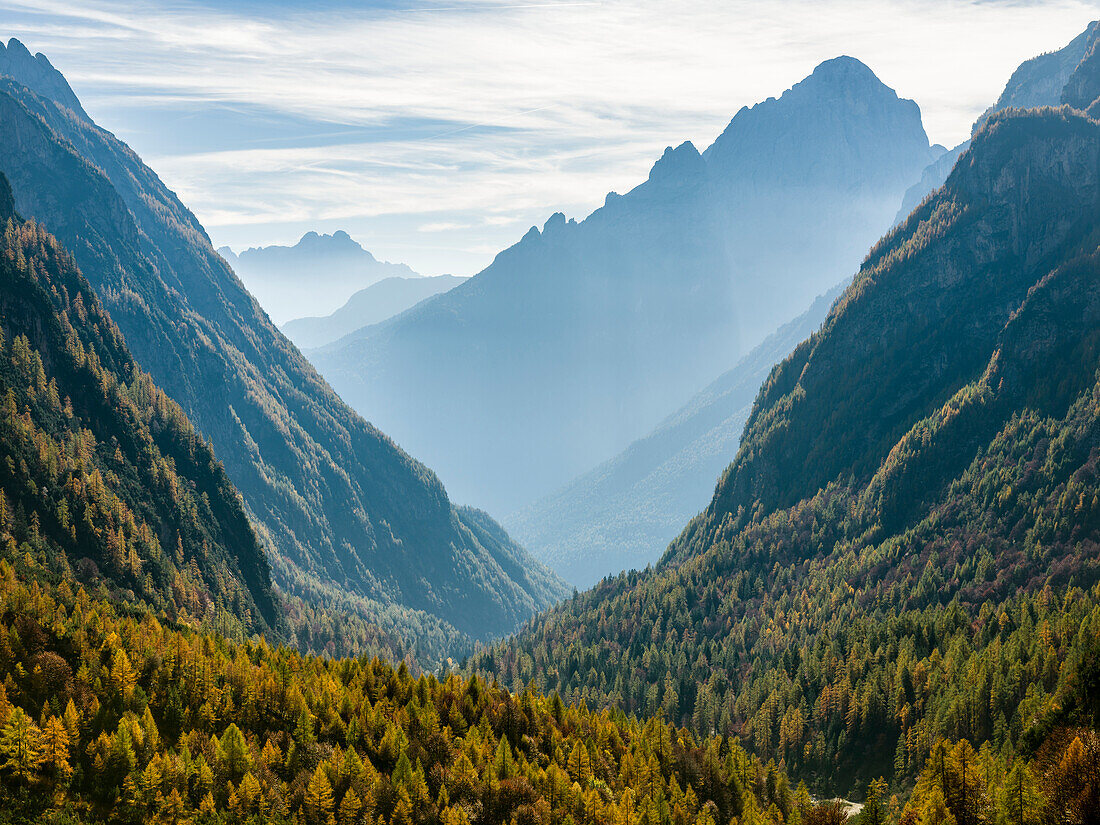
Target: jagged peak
[[840, 78], [337, 240], [38, 74], [844, 69], [680, 164], [554, 222], [842, 85], [1082, 89], [15, 45]]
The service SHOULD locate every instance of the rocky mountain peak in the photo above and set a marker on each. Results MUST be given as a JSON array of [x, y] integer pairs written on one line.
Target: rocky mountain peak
[[846, 73], [680, 165], [841, 112], [338, 241], [38, 75], [1082, 89]]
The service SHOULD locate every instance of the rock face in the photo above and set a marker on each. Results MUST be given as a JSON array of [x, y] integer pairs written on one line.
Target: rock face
[[1082, 89], [372, 305], [623, 514], [313, 277], [38, 75], [350, 520], [583, 336], [1040, 81]]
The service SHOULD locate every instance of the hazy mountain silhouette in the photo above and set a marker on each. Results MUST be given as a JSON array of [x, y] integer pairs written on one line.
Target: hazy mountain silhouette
[[623, 514], [583, 336], [313, 277], [372, 305]]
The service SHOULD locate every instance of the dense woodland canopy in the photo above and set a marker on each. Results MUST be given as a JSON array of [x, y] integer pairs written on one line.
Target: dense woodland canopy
[[109, 715], [99, 470]]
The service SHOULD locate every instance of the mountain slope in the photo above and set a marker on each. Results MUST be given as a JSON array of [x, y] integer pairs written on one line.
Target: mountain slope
[[915, 490], [623, 514], [584, 336], [349, 517], [376, 303], [1040, 80], [1036, 82], [98, 468], [313, 277]]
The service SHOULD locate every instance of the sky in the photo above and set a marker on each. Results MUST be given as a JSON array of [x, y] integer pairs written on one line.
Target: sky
[[437, 132]]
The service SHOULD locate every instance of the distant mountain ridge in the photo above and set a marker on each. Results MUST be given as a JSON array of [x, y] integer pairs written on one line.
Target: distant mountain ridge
[[351, 520], [372, 305], [583, 336], [314, 277], [623, 514]]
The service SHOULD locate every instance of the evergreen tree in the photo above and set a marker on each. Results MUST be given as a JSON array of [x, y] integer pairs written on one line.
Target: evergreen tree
[[20, 747], [236, 759], [318, 798]]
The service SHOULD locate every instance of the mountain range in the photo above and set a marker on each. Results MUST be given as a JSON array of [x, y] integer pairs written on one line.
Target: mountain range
[[584, 336], [349, 520], [893, 592], [623, 514], [313, 277], [914, 505], [372, 305]]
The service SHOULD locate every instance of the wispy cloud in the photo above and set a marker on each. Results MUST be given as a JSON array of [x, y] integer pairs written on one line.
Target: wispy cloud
[[415, 123]]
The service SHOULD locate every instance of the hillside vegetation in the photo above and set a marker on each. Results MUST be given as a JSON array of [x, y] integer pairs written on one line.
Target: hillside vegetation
[[100, 472], [115, 716]]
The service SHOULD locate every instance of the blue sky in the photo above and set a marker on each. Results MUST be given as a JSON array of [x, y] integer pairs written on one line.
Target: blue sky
[[436, 133]]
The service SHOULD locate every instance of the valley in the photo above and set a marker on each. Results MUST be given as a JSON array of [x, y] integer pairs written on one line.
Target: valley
[[766, 494]]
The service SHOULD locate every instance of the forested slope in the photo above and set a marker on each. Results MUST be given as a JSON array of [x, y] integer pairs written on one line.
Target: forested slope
[[110, 715], [100, 472]]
